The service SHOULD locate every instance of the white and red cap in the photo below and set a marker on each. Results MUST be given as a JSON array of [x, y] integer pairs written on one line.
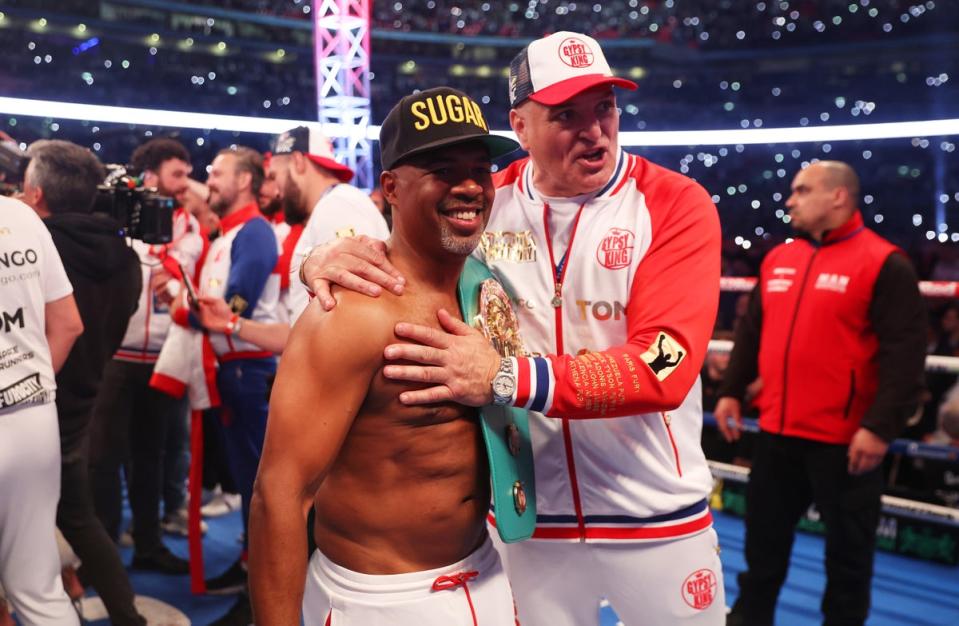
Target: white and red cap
[[553, 69], [317, 147]]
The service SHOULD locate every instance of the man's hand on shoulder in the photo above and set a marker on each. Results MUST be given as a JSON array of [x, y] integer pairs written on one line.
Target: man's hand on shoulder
[[358, 325], [459, 360], [323, 377], [355, 263]]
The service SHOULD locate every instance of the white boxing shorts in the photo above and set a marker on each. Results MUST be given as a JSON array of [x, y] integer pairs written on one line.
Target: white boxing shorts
[[471, 592]]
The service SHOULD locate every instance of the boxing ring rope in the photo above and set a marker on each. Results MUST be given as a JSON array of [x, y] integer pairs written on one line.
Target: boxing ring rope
[[930, 289], [906, 447], [934, 362], [922, 511]]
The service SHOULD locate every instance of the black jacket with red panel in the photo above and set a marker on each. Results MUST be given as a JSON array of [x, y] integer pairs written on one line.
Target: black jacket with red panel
[[837, 333]]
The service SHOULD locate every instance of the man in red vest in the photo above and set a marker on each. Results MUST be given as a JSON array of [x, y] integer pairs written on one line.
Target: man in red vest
[[836, 332]]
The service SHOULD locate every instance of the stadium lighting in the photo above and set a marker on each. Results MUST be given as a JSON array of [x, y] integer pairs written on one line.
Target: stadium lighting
[[147, 117], [803, 134], [181, 119]]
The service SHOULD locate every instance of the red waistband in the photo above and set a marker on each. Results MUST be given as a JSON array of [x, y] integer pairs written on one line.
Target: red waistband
[[236, 356], [136, 356]]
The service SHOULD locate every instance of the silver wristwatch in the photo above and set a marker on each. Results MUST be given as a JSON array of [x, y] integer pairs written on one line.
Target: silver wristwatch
[[504, 383]]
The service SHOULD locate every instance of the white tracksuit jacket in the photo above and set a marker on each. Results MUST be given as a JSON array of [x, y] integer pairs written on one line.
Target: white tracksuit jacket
[[618, 413]]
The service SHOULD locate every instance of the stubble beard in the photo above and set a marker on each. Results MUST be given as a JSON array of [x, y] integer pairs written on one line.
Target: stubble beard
[[293, 210], [220, 206]]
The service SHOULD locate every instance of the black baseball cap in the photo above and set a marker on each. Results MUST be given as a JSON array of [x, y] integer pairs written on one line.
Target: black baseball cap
[[436, 118]]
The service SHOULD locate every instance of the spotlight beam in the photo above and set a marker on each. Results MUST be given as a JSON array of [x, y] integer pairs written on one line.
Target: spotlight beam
[[145, 117], [181, 119]]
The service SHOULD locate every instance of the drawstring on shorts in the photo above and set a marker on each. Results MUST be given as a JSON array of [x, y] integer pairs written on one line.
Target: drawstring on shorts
[[456, 580]]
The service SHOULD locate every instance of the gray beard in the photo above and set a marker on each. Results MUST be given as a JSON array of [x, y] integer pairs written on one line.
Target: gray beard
[[457, 244]]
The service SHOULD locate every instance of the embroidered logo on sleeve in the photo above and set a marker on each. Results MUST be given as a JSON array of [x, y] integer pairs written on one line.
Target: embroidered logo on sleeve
[[238, 304], [664, 356], [616, 249]]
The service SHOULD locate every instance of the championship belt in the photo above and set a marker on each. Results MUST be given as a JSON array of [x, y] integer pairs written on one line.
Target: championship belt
[[486, 306]]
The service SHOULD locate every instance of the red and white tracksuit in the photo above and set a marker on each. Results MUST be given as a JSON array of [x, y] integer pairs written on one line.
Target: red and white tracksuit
[[617, 409]]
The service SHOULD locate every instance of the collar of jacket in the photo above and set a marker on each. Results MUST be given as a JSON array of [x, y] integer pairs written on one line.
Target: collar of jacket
[[239, 217], [852, 227]]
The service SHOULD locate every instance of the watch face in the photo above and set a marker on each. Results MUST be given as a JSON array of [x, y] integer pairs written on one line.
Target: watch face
[[503, 385]]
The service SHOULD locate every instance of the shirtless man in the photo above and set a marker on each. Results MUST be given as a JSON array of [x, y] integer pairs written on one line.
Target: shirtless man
[[401, 492]]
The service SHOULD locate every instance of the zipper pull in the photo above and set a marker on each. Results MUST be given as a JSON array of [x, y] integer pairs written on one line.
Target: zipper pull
[[558, 296]]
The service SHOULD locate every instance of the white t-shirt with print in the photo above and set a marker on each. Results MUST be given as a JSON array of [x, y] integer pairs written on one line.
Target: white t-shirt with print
[[31, 275], [343, 211]]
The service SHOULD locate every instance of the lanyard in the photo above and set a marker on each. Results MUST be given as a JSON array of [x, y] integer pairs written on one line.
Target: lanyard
[[559, 270]]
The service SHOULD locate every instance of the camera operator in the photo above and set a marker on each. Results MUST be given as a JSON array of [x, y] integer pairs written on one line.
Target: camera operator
[[130, 417], [60, 185]]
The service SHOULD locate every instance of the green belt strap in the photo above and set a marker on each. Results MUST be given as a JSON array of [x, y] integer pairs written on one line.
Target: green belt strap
[[513, 486]]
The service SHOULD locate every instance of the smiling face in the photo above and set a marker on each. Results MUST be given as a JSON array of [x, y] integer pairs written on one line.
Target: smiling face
[[573, 145], [224, 183], [441, 200]]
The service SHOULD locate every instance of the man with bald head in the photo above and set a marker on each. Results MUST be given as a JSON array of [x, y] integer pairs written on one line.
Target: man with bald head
[[836, 331]]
